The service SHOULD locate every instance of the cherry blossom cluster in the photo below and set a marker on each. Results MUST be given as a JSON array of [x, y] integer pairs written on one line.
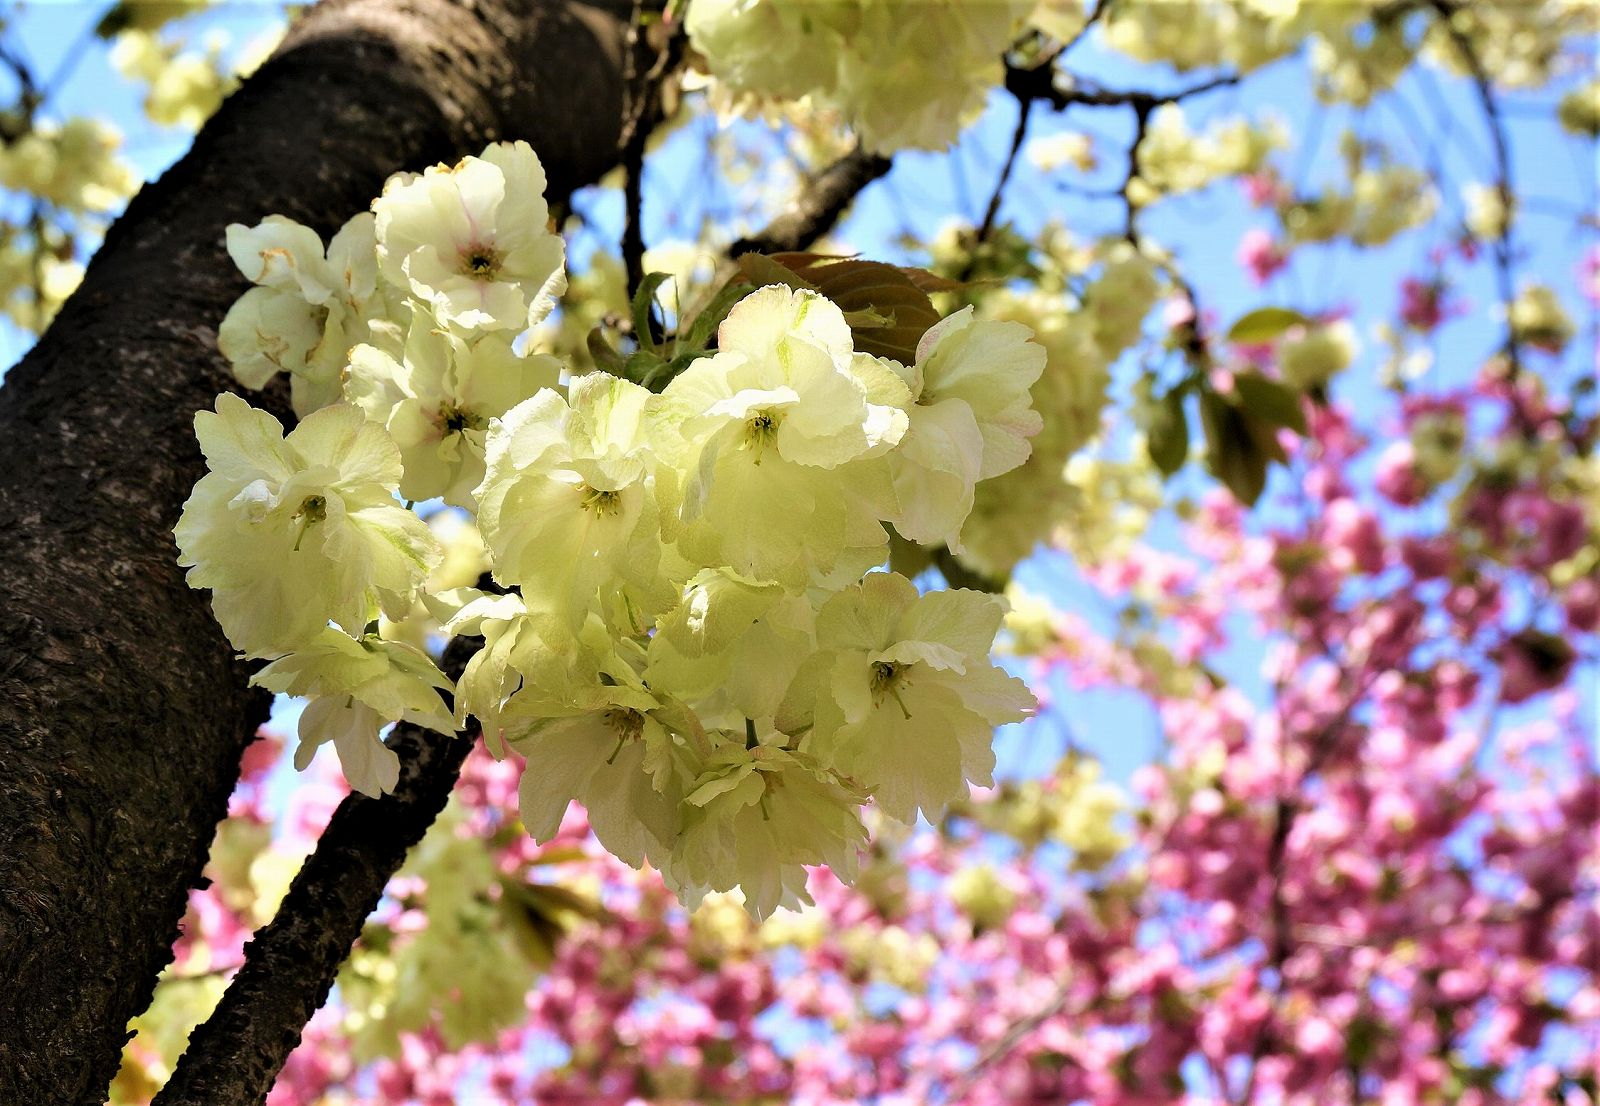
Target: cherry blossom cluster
[[687, 633]]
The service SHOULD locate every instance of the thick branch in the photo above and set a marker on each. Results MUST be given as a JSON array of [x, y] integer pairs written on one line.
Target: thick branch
[[821, 203], [290, 963], [122, 714]]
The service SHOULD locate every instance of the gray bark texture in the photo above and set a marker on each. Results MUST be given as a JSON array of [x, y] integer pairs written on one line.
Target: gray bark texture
[[122, 712]]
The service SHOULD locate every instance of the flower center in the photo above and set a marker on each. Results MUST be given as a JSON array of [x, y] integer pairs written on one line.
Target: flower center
[[480, 262], [887, 676], [601, 502], [456, 419], [313, 509], [761, 431], [626, 723]]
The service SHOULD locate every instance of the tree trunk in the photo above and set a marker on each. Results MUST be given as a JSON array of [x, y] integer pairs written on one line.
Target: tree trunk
[[122, 713]]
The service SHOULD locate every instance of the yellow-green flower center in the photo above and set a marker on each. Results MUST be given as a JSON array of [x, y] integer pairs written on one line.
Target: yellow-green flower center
[[480, 262], [761, 431], [887, 678], [601, 502], [456, 419], [626, 723], [313, 509]]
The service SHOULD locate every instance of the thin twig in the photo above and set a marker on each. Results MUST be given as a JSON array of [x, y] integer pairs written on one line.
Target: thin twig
[[633, 211], [67, 67], [1505, 277], [631, 144], [1008, 1042], [641, 108], [1141, 124], [992, 211], [1286, 812], [1063, 90]]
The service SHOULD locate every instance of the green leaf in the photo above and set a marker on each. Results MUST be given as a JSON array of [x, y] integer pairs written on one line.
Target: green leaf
[[606, 358], [1264, 324], [647, 369], [704, 328], [1167, 433], [1234, 454], [1266, 438], [1271, 401], [761, 271], [644, 303]]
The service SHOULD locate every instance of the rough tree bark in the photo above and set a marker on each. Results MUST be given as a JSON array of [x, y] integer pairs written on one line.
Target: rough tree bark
[[122, 714], [236, 1054]]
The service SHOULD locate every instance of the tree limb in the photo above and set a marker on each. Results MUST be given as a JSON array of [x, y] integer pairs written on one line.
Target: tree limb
[[290, 963], [821, 203]]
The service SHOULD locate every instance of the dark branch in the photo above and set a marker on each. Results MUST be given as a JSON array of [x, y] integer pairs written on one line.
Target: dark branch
[[1141, 123], [992, 212], [1040, 83], [1505, 277], [642, 109], [633, 210], [821, 203], [1062, 90], [290, 964]]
